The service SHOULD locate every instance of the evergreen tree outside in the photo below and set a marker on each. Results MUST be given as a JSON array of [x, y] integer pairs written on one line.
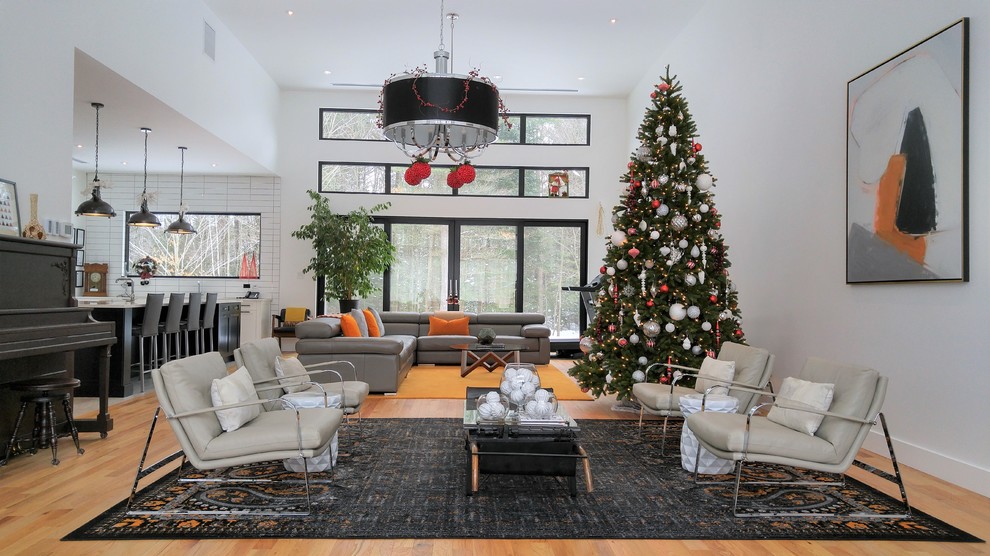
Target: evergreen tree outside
[[665, 294]]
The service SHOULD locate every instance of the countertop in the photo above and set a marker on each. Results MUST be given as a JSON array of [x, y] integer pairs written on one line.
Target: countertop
[[122, 303]]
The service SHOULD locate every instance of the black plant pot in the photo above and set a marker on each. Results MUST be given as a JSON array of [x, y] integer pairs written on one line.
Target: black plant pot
[[347, 304]]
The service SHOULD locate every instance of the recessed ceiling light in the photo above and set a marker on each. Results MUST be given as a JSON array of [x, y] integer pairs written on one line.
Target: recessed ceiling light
[[79, 146], [124, 163], [613, 20], [327, 72], [580, 79], [214, 165], [290, 12]]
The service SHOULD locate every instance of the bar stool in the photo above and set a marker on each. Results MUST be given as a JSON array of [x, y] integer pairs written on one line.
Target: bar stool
[[192, 322], [173, 325], [42, 392], [149, 329], [206, 328]]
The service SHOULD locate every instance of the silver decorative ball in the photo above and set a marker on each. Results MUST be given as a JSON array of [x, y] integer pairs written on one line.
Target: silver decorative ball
[[678, 222], [651, 328]]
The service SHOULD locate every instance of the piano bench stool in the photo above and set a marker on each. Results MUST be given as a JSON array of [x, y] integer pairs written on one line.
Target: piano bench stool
[[43, 392]]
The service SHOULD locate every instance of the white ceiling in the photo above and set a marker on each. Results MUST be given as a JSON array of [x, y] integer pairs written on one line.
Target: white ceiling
[[550, 46]]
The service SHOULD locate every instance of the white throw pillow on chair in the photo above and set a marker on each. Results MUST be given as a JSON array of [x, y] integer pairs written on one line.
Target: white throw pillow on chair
[[801, 393], [290, 369], [236, 387], [721, 372]]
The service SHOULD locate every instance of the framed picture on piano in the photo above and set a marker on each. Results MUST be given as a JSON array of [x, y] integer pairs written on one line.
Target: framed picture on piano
[[10, 219]]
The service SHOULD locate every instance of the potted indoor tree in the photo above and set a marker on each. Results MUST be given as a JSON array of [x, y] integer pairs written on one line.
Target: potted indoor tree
[[349, 250]]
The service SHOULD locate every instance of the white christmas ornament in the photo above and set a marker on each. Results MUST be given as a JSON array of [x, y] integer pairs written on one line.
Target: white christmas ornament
[[695, 252], [610, 271], [686, 344], [706, 326], [654, 235], [633, 339], [493, 397], [642, 225], [701, 276], [677, 311], [639, 376], [690, 280], [682, 244], [665, 250], [662, 140], [673, 148], [693, 312], [621, 264], [663, 179], [651, 329], [648, 263], [643, 360], [703, 208], [669, 327], [618, 237], [679, 222], [663, 210], [696, 217], [704, 182], [696, 350], [672, 131], [691, 160]]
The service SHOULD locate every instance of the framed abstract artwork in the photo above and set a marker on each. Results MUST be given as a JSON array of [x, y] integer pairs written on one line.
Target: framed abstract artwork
[[907, 164]]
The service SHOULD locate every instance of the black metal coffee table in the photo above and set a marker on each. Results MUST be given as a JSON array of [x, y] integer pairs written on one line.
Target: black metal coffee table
[[548, 448]]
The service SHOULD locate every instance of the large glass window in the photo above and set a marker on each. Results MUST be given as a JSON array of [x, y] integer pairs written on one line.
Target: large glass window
[[527, 129], [490, 181], [501, 265], [227, 245]]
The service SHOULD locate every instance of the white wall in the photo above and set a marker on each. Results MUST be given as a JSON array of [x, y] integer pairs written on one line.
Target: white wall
[[300, 151], [766, 81]]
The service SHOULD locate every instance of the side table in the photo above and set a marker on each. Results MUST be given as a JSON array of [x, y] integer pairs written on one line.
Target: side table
[[708, 462], [327, 459]]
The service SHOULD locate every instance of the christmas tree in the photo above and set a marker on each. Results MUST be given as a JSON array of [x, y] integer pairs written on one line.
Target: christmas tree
[[665, 294]]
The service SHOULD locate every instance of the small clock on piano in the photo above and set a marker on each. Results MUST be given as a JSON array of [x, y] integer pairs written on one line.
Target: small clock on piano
[[95, 279]]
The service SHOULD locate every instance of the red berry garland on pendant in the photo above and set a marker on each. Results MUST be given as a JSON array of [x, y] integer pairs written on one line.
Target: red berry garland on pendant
[[419, 171]]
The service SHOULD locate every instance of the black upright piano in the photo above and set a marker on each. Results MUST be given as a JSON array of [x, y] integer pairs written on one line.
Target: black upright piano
[[41, 330]]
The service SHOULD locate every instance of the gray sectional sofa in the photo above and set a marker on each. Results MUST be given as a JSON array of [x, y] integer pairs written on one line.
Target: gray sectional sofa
[[385, 361]]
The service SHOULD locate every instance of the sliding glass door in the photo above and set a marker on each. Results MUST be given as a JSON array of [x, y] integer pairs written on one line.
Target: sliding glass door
[[492, 265]]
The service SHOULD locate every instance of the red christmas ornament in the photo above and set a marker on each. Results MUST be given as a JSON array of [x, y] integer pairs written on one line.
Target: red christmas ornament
[[655, 203], [466, 173], [623, 342], [663, 86], [649, 303], [631, 232], [664, 288], [412, 176], [690, 264], [454, 180], [611, 328], [586, 389], [601, 270], [665, 379], [738, 332], [629, 165], [633, 252], [649, 343], [653, 95], [697, 147], [713, 298]]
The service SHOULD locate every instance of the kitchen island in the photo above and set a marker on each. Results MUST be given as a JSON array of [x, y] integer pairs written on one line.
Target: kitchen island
[[126, 315]]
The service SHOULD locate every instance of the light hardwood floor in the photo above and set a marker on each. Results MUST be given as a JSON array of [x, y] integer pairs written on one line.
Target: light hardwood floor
[[40, 503]]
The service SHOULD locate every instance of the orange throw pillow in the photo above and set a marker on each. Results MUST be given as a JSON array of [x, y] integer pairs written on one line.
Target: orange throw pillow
[[373, 331], [456, 327], [350, 327]]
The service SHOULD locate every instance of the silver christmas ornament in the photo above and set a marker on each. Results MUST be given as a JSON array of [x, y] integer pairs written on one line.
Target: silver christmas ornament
[[693, 312], [651, 328], [679, 222]]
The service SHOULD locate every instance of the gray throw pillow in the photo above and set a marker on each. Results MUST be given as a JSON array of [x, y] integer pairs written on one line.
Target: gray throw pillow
[[362, 323], [378, 319]]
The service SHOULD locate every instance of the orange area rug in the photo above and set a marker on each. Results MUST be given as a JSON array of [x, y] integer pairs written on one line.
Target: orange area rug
[[445, 382]]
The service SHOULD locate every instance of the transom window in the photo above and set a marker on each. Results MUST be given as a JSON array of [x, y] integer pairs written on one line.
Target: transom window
[[354, 124], [490, 181]]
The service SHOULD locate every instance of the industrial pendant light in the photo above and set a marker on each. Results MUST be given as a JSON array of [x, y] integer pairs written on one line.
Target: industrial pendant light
[[180, 226], [96, 206], [144, 218], [425, 114]]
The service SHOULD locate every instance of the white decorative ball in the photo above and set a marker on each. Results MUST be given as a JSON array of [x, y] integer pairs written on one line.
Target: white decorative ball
[[703, 208], [505, 387], [690, 280], [654, 235], [672, 131], [541, 395], [544, 409], [509, 373], [490, 411], [669, 327], [643, 225], [706, 326], [677, 311], [517, 396], [695, 252], [610, 271], [693, 312], [586, 344], [696, 350], [528, 388], [663, 210], [704, 182], [696, 217], [531, 408], [643, 360], [682, 244], [639, 376], [648, 263], [663, 179], [621, 264], [493, 397], [608, 378], [633, 339], [686, 344], [524, 373], [651, 329], [665, 250], [618, 237]]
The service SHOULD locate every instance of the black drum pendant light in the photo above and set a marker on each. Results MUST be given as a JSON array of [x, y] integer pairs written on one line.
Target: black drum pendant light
[[180, 226], [95, 205], [144, 218], [425, 114]]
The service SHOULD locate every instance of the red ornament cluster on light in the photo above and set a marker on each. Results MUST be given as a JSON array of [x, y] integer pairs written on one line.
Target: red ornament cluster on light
[[461, 175], [419, 171]]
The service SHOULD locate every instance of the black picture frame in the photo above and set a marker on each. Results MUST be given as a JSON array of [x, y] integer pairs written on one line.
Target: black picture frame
[[10, 218], [79, 236], [907, 164], [80, 257], [79, 278]]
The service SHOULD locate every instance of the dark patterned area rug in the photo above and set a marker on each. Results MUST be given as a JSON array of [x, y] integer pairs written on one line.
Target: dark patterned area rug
[[405, 478]]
